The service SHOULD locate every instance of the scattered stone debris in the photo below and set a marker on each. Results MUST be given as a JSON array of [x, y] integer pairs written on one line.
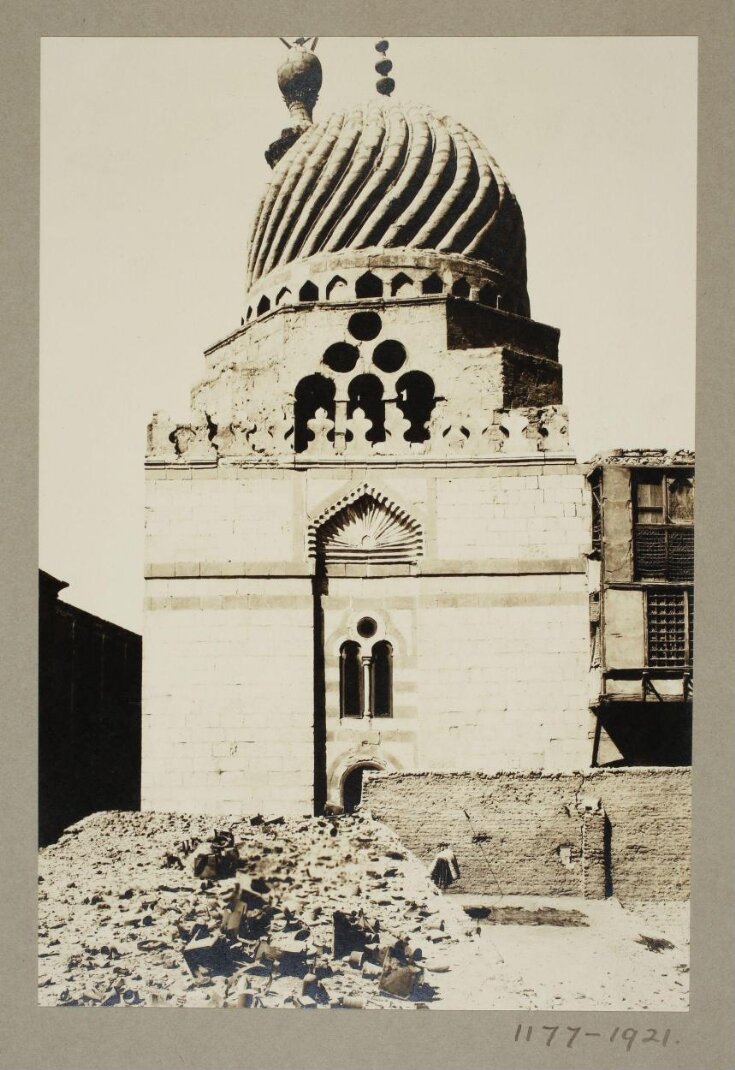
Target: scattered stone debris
[[655, 943], [308, 913], [121, 927]]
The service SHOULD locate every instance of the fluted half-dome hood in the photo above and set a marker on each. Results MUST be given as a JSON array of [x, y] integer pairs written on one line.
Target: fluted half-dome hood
[[389, 176]]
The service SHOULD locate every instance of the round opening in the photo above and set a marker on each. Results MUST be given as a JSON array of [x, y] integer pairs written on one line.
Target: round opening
[[389, 356], [341, 357], [366, 627], [364, 325]]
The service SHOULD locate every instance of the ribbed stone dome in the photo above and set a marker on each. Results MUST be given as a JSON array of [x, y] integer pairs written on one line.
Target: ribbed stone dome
[[389, 176]]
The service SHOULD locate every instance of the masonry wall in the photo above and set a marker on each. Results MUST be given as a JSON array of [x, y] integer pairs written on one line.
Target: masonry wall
[[489, 629], [203, 520], [624, 832], [444, 337], [502, 665], [228, 696]]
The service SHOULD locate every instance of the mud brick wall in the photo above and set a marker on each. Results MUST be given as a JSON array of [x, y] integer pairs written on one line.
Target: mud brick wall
[[649, 811], [624, 832]]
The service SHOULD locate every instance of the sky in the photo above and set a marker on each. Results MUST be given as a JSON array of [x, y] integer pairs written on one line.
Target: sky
[[151, 170]]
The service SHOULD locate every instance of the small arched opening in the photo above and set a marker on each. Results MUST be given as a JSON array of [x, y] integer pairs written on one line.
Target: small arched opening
[[368, 285], [282, 294], [461, 288], [263, 305], [352, 785], [432, 285], [309, 292]]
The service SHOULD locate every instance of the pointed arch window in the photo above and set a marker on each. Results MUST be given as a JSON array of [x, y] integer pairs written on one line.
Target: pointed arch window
[[382, 679], [350, 680]]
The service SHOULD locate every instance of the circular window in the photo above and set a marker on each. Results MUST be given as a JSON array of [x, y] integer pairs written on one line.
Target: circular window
[[364, 325], [389, 356], [341, 357], [366, 627]]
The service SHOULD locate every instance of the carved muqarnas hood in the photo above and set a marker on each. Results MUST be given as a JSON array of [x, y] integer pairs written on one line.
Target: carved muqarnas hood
[[389, 176]]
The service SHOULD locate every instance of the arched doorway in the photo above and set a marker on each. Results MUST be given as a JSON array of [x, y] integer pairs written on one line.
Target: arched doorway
[[352, 786]]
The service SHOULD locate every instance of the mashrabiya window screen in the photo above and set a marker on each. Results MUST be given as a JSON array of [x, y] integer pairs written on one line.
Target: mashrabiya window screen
[[669, 628]]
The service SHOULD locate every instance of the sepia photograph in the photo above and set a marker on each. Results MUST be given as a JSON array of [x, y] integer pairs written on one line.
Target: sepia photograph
[[366, 563]]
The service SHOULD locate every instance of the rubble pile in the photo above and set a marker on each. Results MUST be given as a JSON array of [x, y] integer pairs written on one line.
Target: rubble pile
[[188, 910]]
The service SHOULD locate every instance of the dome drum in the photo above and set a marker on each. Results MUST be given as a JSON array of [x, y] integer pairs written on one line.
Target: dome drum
[[403, 274]]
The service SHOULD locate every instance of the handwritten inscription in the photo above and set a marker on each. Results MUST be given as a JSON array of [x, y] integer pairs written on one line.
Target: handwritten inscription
[[568, 1035]]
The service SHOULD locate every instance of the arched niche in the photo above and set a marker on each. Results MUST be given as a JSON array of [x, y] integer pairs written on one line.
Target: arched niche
[[312, 393], [365, 526], [336, 288], [402, 285]]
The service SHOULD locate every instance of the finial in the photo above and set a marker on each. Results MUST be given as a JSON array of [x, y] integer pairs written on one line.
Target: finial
[[299, 79], [384, 84]]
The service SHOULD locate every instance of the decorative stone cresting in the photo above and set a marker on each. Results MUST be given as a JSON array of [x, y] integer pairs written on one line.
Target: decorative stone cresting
[[513, 433]]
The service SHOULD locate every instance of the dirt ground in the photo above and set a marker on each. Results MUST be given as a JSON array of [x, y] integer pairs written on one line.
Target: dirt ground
[[124, 921]]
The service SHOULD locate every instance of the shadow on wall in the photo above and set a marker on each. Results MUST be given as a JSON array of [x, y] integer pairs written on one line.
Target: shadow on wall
[[658, 734], [89, 723]]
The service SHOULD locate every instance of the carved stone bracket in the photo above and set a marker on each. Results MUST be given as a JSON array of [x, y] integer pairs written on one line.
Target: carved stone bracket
[[193, 442], [519, 436], [554, 429], [160, 443], [255, 436], [456, 438], [233, 440]]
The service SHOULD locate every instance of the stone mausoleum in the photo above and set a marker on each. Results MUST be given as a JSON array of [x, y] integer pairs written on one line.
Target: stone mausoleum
[[368, 546]]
